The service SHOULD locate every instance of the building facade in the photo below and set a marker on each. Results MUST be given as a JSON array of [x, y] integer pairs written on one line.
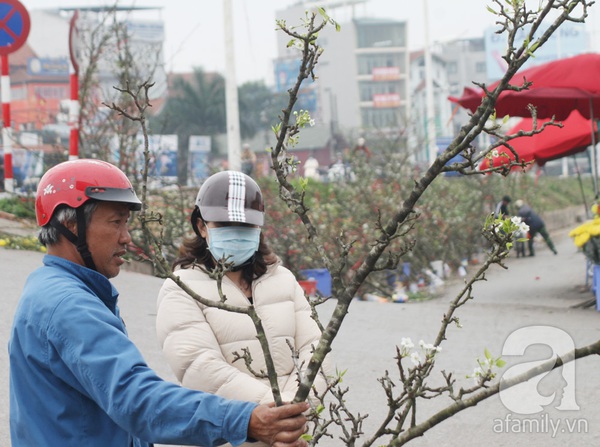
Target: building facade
[[39, 71], [363, 83], [442, 109], [465, 64]]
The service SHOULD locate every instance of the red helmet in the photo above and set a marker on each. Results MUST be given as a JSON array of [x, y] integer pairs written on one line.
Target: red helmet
[[74, 182], [231, 196]]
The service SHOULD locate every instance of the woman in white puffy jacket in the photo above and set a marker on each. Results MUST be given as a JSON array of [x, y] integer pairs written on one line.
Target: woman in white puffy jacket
[[201, 342]]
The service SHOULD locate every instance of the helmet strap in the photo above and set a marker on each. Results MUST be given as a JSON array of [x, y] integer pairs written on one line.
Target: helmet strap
[[80, 240]]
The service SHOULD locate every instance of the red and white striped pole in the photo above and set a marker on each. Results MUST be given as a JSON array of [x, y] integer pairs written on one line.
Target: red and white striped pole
[[6, 128], [74, 83], [74, 116]]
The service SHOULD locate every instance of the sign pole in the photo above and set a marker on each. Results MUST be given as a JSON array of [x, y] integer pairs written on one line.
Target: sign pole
[[6, 128], [14, 29], [74, 117], [74, 84]]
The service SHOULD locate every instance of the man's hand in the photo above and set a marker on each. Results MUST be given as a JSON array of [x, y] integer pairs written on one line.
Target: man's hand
[[279, 426]]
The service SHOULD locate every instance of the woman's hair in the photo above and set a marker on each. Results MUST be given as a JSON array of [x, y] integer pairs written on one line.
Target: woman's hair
[[194, 249]]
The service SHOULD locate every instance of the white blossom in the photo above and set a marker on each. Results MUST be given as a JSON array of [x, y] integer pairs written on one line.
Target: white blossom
[[522, 226], [406, 345], [429, 348], [415, 358]]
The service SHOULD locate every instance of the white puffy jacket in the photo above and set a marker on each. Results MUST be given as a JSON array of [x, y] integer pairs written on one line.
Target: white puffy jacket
[[199, 341]]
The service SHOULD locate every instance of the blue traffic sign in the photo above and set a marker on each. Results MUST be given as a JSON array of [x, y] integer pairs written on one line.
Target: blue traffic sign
[[14, 26]]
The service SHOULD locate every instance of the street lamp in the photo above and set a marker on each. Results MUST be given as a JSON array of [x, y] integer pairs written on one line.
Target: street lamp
[[429, 110]]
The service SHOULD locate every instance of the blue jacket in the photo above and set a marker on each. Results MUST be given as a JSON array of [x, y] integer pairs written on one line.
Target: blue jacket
[[76, 379]]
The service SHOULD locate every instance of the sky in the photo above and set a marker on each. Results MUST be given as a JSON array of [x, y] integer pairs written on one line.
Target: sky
[[194, 30]]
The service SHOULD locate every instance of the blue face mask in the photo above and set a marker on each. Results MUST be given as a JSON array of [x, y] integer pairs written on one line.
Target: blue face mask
[[237, 244]]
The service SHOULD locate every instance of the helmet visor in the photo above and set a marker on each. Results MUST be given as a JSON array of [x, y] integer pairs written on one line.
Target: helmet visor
[[123, 195]]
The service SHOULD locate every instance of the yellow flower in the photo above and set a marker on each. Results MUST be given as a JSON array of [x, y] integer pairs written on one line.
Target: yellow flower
[[591, 227], [581, 239], [3, 242]]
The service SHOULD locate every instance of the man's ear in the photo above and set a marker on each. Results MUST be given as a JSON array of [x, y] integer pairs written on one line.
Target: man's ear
[[71, 226]]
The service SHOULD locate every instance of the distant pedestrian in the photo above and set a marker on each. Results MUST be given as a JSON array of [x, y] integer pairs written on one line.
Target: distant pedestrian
[[311, 168], [361, 148], [248, 160], [536, 225], [502, 207]]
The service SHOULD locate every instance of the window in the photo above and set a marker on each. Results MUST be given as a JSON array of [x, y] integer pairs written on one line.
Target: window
[[367, 62], [379, 118], [367, 90], [381, 35]]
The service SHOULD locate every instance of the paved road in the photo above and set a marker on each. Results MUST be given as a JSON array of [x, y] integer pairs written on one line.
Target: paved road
[[532, 292]]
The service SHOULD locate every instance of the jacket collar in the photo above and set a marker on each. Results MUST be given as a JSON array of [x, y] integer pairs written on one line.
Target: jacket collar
[[97, 283]]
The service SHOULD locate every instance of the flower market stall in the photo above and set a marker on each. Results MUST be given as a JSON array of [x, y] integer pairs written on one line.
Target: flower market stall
[[587, 237]]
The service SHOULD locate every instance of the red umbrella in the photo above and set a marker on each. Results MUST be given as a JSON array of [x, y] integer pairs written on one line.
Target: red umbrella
[[552, 143], [558, 88]]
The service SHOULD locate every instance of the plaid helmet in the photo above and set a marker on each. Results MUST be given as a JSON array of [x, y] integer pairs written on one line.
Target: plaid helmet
[[231, 196]]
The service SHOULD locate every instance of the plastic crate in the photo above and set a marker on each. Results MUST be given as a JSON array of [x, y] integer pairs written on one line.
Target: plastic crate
[[309, 286], [596, 285], [322, 277]]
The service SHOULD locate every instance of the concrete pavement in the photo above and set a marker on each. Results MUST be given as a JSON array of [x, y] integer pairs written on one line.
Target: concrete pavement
[[537, 291]]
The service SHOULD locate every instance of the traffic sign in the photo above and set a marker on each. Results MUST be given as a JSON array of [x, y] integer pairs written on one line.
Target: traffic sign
[[14, 26], [75, 49]]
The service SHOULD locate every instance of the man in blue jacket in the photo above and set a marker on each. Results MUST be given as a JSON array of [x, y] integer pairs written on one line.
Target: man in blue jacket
[[76, 379]]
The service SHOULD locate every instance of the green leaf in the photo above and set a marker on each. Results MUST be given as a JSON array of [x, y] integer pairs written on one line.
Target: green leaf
[[487, 353], [500, 363], [489, 8], [323, 13], [534, 46], [306, 437], [303, 183]]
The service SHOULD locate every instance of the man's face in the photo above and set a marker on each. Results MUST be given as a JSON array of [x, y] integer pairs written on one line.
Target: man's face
[[107, 237]]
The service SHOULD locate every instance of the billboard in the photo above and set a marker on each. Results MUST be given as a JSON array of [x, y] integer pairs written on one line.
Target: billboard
[[286, 74], [162, 164], [47, 66], [28, 168], [198, 159], [569, 40], [163, 155]]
